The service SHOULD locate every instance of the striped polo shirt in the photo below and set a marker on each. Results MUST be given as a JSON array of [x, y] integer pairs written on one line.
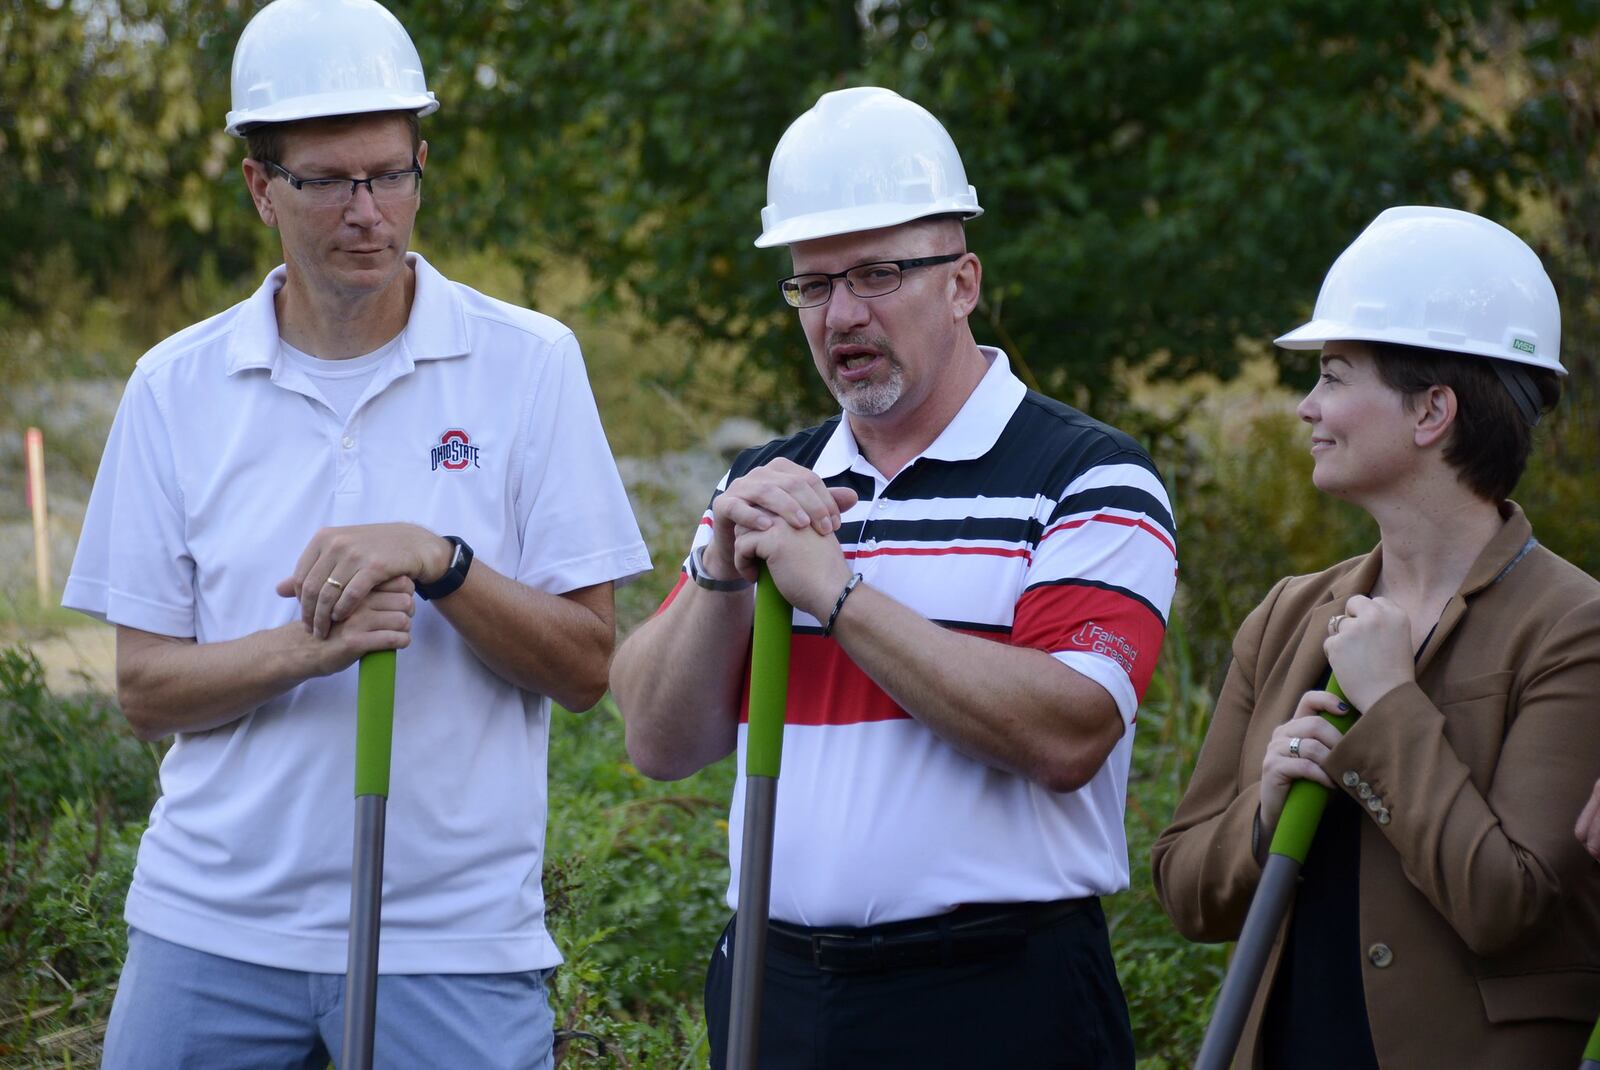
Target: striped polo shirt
[[1025, 522]]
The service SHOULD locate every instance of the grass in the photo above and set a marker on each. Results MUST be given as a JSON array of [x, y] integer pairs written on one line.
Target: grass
[[635, 876]]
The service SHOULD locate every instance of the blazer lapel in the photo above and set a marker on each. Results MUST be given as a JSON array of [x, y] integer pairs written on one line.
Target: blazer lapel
[[1498, 558]]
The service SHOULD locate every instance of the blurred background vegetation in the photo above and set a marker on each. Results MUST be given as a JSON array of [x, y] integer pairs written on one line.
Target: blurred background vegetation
[[1165, 186]]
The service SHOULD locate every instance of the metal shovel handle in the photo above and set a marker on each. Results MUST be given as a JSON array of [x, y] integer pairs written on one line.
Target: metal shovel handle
[[374, 738], [1291, 841], [763, 753]]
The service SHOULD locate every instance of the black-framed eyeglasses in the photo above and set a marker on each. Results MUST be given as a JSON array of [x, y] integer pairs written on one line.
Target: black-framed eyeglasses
[[388, 188], [877, 279]]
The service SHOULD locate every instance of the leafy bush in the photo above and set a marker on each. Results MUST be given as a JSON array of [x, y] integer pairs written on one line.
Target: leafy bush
[[78, 788]]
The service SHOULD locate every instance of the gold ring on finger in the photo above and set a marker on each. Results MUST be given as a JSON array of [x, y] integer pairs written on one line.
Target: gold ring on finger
[[331, 582]]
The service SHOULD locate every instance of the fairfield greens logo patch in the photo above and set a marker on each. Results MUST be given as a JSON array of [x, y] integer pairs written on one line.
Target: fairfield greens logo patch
[[454, 452], [1105, 641]]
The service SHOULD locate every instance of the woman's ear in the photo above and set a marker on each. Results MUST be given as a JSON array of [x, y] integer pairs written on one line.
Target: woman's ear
[[1434, 410]]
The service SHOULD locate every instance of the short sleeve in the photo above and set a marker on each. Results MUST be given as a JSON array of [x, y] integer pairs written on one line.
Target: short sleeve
[[576, 526], [133, 565], [1100, 583]]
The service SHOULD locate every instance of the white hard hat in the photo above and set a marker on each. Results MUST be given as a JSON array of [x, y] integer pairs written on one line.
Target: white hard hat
[[858, 160], [304, 59], [1441, 279]]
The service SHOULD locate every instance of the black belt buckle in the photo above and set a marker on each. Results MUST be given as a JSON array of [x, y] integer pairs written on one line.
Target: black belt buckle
[[818, 959]]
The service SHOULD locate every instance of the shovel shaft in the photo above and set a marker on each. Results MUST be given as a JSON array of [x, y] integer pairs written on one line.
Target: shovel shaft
[[750, 934], [769, 688], [366, 907], [1267, 909], [1291, 841], [374, 735]]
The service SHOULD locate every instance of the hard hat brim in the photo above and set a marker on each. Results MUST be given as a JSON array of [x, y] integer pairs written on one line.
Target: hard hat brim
[[324, 105], [1312, 336], [853, 220]]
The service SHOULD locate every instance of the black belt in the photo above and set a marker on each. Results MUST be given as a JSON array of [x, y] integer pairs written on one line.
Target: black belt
[[967, 934]]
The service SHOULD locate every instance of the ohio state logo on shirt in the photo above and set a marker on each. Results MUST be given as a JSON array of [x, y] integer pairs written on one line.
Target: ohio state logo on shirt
[[454, 452]]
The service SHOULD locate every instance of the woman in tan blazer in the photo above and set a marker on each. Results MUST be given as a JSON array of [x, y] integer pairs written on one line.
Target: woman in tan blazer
[[1446, 916]]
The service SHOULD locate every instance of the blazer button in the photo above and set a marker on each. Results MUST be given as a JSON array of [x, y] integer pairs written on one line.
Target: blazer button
[[1351, 778], [1383, 816], [1364, 790], [1380, 955], [1374, 804]]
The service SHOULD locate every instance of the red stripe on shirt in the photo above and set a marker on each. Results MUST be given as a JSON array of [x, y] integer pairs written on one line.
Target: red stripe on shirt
[[683, 578], [1062, 616], [827, 688], [937, 551], [1111, 518]]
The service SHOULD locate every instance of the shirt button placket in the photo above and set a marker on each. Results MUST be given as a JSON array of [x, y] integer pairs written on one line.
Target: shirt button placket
[[348, 482]]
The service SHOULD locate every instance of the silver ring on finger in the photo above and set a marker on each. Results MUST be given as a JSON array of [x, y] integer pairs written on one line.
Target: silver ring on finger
[[1294, 746], [1334, 622]]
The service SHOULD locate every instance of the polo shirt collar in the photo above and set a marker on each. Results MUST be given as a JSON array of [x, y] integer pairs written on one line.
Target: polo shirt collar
[[436, 328], [972, 433]]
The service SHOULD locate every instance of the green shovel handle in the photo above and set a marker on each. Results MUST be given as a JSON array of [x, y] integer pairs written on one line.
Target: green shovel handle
[[1302, 810], [374, 722], [769, 679], [1591, 1053]]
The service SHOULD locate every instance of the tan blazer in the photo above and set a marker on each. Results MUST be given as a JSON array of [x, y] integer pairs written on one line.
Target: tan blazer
[[1479, 911]]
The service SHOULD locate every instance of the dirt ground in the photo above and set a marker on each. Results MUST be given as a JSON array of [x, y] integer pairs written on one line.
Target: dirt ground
[[83, 658]]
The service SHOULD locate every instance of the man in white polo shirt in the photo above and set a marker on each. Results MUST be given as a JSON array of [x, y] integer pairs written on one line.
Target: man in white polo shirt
[[980, 577], [281, 481]]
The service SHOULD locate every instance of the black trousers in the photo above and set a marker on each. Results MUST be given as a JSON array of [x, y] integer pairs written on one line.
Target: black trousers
[[1052, 1004]]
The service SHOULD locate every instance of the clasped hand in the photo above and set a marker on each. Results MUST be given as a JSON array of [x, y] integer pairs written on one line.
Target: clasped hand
[[341, 567], [1369, 649], [783, 515]]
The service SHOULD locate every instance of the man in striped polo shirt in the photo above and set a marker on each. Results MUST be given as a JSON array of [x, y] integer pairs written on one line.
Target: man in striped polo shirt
[[981, 577]]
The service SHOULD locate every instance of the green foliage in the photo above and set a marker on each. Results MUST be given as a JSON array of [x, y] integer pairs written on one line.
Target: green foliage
[[73, 749], [115, 178], [1169, 982], [78, 788], [637, 871], [1162, 180], [1228, 151]]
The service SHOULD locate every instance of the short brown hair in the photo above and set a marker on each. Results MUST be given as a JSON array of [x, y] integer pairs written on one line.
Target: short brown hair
[[265, 140], [1490, 441]]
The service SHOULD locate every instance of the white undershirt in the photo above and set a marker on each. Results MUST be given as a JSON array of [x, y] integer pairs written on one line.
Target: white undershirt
[[341, 382]]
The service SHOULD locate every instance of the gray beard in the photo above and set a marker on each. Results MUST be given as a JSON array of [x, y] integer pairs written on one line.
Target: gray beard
[[873, 397]]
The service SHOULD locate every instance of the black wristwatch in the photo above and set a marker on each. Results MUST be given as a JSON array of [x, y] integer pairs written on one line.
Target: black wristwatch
[[453, 577]]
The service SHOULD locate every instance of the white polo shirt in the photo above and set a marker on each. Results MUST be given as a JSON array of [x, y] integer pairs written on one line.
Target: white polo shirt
[[222, 463]]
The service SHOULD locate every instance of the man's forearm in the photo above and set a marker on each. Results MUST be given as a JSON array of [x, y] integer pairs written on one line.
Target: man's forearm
[[677, 681], [556, 645], [167, 685], [1016, 709]]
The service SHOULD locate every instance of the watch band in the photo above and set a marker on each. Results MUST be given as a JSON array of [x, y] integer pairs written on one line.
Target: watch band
[[697, 572], [454, 576]]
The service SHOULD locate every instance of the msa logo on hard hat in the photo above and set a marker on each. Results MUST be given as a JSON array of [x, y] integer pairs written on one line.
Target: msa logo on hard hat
[[1522, 345]]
